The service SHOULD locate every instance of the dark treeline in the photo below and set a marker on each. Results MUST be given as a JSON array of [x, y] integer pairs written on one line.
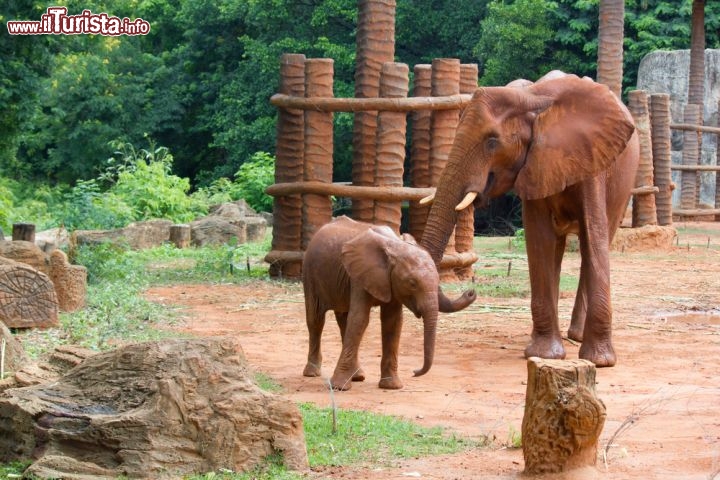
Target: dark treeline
[[199, 83]]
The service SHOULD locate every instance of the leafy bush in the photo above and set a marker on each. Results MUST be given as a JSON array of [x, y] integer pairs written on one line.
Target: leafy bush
[[6, 204], [251, 180], [86, 206], [144, 181]]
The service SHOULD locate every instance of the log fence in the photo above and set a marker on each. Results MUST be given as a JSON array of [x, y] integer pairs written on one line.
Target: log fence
[[303, 179], [690, 166]]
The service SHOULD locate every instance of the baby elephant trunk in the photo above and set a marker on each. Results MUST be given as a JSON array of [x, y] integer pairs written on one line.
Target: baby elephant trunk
[[429, 333]]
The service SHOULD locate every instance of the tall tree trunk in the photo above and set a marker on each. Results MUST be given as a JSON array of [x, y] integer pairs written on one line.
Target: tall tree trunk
[[610, 46], [696, 86], [375, 46], [696, 83]]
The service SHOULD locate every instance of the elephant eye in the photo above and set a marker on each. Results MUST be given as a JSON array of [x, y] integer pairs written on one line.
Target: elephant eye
[[491, 143], [412, 283]]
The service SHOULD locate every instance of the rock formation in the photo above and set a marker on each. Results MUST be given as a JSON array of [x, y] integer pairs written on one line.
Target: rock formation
[[667, 72], [152, 410]]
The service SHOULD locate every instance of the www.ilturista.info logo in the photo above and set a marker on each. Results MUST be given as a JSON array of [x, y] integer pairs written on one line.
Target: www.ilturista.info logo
[[57, 22]]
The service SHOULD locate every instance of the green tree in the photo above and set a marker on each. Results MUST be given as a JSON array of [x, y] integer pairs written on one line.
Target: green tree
[[514, 40]]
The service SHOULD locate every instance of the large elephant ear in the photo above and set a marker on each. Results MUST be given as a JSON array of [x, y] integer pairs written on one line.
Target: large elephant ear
[[366, 261], [577, 137]]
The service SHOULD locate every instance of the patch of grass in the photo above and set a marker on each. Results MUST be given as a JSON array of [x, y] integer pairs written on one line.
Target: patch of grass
[[514, 438], [116, 312], [14, 469], [272, 469], [267, 383], [369, 439], [502, 271], [363, 439]]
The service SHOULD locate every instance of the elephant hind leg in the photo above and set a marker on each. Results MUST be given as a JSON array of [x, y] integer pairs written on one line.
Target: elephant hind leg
[[579, 313], [341, 317], [315, 318]]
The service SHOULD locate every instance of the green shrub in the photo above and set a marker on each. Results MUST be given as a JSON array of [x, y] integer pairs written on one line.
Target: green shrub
[[87, 207], [251, 180], [6, 205], [143, 180]]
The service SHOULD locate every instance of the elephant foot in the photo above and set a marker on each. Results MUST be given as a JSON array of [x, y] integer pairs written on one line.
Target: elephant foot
[[359, 375], [341, 382], [549, 348], [576, 333], [602, 354], [311, 370], [390, 383]]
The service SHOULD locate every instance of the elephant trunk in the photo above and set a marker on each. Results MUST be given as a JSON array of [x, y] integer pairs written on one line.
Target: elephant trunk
[[447, 305], [439, 227], [442, 217], [430, 317]]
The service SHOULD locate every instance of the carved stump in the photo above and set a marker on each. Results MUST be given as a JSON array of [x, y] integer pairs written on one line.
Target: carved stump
[[70, 282], [23, 231], [27, 297], [180, 235], [563, 416]]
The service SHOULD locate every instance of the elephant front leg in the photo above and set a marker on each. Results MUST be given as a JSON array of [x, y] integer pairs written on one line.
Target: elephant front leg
[[341, 317], [391, 320], [545, 251], [595, 270], [357, 321]]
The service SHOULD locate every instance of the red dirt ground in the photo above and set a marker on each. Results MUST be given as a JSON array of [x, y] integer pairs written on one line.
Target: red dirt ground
[[662, 398]]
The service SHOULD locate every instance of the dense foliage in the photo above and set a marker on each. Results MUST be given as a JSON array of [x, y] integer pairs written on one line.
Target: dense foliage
[[199, 83]]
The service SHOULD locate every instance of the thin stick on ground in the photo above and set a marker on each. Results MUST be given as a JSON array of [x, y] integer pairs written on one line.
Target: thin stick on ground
[[634, 417]]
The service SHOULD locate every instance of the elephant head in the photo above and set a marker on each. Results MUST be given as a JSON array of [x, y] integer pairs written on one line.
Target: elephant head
[[393, 269], [537, 139]]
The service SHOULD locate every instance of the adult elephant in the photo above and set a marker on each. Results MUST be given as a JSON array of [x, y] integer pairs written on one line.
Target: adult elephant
[[351, 266], [568, 148]]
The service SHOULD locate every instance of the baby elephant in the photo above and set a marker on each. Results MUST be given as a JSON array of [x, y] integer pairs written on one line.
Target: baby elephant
[[350, 267]]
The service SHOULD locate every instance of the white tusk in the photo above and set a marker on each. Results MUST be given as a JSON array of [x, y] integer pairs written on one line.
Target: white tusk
[[427, 200], [469, 198]]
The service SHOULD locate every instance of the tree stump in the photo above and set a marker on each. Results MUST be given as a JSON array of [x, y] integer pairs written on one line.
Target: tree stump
[[27, 297], [563, 416], [180, 235], [70, 282], [151, 410], [23, 231], [13, 353], [25, 252]]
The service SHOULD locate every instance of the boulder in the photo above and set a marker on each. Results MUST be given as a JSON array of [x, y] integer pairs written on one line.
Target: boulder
[[153, 410], [214, 230], [49, 240], [137, 235], [645, 238], [57, 364], [227, 221], [233, 210], [668, 72], [14, 354]]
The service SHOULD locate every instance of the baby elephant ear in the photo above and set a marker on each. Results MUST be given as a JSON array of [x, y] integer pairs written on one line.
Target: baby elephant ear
[[580, 135], [366, 261]]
